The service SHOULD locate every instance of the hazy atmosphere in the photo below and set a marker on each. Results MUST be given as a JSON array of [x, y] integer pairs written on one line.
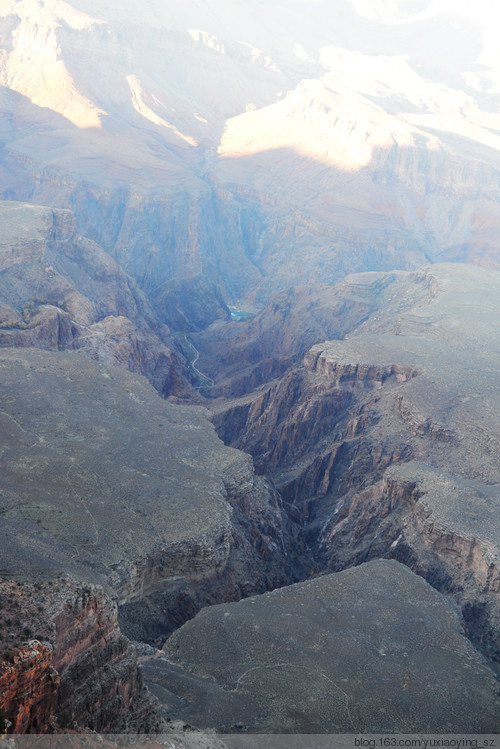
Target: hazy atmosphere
[[249, 356]]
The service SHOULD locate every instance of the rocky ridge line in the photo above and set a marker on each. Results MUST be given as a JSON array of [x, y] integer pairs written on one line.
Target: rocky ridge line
[[399, 393]]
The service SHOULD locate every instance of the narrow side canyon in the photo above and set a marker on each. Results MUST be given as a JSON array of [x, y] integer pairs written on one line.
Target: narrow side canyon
[[377, 447]]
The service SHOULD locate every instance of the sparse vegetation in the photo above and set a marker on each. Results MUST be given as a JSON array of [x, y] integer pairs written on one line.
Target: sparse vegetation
[[64, 721], [26, 313]]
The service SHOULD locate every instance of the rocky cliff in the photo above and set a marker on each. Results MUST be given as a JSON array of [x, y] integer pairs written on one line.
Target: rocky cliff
[[101, 685], [242, 355], [441, 527], [399, 390], [372, 649], [28, 688], [105, 481], [217, 153], [379, 444], [60, 291], [84, 673], [265, 157]]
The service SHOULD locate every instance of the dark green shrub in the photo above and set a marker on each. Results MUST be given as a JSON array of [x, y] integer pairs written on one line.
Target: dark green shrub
[[64, 721]]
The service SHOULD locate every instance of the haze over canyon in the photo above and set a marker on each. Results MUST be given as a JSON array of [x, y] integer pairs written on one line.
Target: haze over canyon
[[249, 356]]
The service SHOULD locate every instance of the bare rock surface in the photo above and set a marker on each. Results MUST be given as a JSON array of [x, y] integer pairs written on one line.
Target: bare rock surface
[[241, 355], [415, 386], [371, 649], [239, 144], [139, 501], [406, 376], [104, 480], [60, 291], [65, 663], [29, 671]]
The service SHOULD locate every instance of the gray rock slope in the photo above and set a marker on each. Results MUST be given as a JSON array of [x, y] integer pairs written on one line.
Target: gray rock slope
[[59, 290], [371, 649], [102, 479], [413, 386], [234, 142]]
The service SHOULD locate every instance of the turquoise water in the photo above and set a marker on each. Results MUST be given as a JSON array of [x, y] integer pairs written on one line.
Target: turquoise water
[[240, 314]]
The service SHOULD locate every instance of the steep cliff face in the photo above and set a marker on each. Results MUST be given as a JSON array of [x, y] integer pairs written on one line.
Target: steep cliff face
[[381, 445], [84, 673], [241, 356], [101, 685], [409, 206], [316, 417], [352, 436], [261, 549], [266, 158], [102, 438], [103, 479], [251, 241], [443, 528], [28, 688], [61, 291], [372, 649], [212, 153]]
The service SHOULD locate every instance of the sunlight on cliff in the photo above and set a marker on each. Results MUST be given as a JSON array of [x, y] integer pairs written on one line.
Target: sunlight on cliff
[[336, 127], [48, 84], [34, 68], [360, 104], [142, 108]]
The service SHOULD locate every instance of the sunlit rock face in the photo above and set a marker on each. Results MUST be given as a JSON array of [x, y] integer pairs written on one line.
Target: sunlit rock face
[[66, 665], [238, 142]]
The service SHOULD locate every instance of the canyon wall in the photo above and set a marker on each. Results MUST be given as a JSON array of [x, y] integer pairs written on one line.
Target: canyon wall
[[372, 649], [61, 291], [259, 165], [79, 673], [382, 443], [105, 481]]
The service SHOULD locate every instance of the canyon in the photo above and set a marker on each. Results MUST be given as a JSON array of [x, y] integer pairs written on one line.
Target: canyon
[[226, 155], [381, 441], [277, 520], [382, 448], [376, 445]]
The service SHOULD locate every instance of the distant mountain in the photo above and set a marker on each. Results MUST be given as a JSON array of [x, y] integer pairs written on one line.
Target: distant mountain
[[258, 145]]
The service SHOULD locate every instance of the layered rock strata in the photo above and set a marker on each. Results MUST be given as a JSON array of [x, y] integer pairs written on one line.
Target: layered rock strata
[[105, 481], [79, 672], [413, 384], [443, 528], [259, 164], [28, 688], [240, 356], [59, 291]]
